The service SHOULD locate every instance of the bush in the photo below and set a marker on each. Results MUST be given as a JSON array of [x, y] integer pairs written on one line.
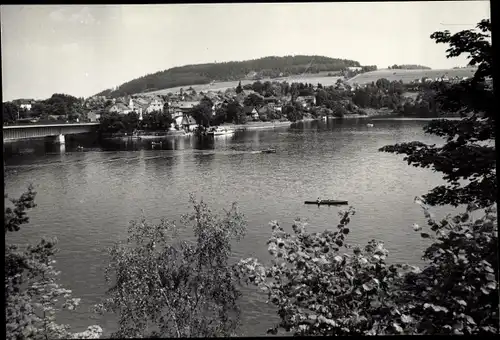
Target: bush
[[32, 293], [169, 288], [321, 288]]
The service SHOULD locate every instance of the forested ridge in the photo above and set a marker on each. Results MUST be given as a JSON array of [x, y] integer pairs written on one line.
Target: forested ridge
[[228, 71]]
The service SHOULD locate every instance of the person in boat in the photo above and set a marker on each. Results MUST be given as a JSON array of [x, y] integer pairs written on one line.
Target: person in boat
[[318, 201]]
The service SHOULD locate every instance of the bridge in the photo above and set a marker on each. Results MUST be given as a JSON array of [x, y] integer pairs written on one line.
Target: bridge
[[59, 131]]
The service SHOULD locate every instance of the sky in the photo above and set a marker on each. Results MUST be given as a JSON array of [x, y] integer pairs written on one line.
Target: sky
[[82, 50]]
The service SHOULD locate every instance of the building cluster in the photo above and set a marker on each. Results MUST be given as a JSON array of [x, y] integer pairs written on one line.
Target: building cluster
[[179, 105], [443, 78]]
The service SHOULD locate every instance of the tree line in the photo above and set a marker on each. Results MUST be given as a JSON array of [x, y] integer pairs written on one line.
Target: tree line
[[228, 71], [112, 122], [65, 106], [408, 67]]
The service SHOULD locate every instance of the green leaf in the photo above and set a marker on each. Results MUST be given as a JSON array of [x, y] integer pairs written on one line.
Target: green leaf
[[470, 320], [491, 285], [367, 287], [489, 269], [397, 327], [406, 318], [490, 277]]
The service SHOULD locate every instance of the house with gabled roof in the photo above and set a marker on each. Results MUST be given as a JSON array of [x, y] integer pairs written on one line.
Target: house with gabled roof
[[188, 123], [120, 108], [154, 105], [251, 111]]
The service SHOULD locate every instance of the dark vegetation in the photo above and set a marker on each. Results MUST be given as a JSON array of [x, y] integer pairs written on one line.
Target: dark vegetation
[[205, 73], [59, 107], [112, 123], [408, 67]]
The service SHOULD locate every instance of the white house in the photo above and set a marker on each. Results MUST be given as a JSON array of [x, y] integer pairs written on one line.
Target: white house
[[155, 105], [120, 108], [26, 106], [354, 68]]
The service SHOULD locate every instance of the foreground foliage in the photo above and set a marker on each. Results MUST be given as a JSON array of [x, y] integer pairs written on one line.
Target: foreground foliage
[[323, 286], [320, 287], [32, 293], [163, 287], [471, 138]]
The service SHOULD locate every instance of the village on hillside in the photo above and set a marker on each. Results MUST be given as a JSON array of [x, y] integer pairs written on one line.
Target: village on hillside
[[267, 103]]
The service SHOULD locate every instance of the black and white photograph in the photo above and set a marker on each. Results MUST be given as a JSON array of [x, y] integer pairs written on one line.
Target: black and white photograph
[[249, 170]]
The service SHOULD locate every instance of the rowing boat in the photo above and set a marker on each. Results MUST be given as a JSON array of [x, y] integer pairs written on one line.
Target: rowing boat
[[327, 202]]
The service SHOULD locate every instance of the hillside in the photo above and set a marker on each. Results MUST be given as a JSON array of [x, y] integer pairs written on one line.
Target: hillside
[[408, 67], [230, 71], [409, 75]]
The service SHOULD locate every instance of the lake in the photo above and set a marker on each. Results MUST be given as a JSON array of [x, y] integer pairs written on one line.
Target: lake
[[87, 198]]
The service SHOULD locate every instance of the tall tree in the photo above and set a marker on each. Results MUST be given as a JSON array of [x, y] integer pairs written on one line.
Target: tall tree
[[10, 112], [239, 89], [163, 286], [253, 99], [202, 114], [469, 151]]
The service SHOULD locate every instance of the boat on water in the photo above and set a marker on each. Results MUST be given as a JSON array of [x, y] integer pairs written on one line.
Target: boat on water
[[327, 202], [156, 143], [264, 151], [220, 131], [369, 125]]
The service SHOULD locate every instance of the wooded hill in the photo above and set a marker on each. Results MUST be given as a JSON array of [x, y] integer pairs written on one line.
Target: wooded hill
[[229, 71]]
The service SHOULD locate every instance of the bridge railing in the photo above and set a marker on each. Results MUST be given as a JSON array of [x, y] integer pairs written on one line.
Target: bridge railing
[[28, 126]]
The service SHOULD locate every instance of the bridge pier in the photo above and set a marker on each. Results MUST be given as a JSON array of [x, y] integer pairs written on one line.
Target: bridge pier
[[60, 139]]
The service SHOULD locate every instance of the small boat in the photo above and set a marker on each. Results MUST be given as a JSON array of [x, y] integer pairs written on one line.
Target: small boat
[[369, 125], [79, 148], [269, 151], [156, 143], [327, 202], [220, 131]]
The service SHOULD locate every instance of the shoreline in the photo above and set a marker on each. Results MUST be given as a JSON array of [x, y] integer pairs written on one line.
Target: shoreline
[[258, 125]]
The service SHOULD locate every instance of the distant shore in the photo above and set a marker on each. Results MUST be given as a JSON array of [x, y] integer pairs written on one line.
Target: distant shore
[[258, 125]]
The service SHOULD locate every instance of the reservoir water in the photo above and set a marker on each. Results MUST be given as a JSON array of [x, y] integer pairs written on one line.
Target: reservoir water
[[87, 198]]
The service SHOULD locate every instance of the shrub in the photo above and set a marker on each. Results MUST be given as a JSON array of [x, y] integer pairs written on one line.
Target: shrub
[[323, 286], [32, 293], [169, 288]]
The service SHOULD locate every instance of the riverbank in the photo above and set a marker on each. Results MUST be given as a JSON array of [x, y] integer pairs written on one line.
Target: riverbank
[[149, 135], [258, 125]]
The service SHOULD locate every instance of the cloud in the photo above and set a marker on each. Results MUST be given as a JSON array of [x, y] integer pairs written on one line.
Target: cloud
[[73, 14], [83, 17], [58, 15], [70, 48]]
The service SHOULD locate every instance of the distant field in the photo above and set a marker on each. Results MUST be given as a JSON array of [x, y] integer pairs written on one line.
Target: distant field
[[222, 86], [408, 75]]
